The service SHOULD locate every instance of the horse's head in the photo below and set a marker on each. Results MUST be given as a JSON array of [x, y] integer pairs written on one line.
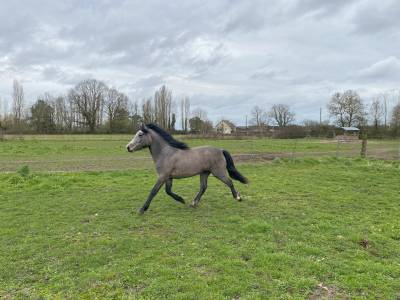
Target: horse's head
[[142, 139]]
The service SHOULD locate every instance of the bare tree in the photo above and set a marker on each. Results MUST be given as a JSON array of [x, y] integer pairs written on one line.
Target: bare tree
[[6, 120], [163, 106], [88, 97], [395, 123], [199, 122], [185, 113], [2, 109], [384, 97], [2, 117], [281, 115], [200, 113], [116, 103], [347, 109], [63, 113], [147, 111], [18, 102], [258, 117], [376, 112], [134, 115]]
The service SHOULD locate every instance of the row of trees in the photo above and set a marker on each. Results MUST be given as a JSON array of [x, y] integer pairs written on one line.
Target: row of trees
[[347, 109], [87, 106], [92, 106], [279, 115]]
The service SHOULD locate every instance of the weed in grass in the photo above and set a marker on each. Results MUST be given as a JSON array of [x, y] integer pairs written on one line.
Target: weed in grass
[[23, 171]]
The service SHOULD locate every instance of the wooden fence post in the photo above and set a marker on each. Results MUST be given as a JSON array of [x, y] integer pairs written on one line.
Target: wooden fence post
[[399, 152], [337, 148], [364, 145]]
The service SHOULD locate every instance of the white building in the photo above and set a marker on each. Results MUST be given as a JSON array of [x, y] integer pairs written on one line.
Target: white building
[[225, 127]]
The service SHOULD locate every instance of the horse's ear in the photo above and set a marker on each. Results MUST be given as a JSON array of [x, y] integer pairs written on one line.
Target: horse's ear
[[143, 128]]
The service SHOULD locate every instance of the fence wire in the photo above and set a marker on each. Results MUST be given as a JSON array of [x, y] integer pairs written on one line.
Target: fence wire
[[252, 149]]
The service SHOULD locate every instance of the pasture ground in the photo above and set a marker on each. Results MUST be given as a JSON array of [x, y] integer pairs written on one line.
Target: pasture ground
[[107, 152], [307, 228]]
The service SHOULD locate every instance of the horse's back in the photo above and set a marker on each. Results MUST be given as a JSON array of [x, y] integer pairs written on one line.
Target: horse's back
[[207, 151], [196, 160]]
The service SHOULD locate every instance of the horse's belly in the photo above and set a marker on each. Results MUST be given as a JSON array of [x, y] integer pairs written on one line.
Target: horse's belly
[[186, 172], [188, 168], [178, 176]]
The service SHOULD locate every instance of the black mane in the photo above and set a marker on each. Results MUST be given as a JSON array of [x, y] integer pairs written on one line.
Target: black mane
[[167, 137]]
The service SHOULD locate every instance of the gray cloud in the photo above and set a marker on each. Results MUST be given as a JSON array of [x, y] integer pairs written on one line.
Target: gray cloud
[[226, 55], [383, 70], [373, 17]]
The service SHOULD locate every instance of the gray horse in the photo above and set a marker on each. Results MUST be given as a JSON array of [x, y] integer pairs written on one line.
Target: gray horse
[[174, 159]]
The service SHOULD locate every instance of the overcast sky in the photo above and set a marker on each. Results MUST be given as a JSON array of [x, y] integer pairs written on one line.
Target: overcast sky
[[227, 56]]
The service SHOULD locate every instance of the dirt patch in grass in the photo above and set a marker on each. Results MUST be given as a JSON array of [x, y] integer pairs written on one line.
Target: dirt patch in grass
[[323, 291]]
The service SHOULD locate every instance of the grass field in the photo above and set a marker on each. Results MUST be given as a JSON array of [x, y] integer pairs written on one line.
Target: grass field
[[107, 152], [307, 228]]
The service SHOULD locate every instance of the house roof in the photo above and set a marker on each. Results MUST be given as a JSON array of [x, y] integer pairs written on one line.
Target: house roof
[[350, 128]]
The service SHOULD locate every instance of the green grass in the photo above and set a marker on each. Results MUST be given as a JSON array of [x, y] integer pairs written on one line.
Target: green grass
[[305, 228], [105, 152], [103, 145]]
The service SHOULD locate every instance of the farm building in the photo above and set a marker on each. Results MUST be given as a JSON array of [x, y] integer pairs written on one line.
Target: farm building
[[225, 127], [347, 133]]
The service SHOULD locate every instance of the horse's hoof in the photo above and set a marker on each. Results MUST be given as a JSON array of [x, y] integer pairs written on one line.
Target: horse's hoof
[[238, 198], [193, 205], [141, 211]]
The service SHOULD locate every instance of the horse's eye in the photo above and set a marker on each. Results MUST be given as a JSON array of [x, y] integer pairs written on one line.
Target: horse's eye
[[141, 134]]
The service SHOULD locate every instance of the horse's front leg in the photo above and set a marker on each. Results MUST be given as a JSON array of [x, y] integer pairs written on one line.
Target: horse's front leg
[[153, 192]]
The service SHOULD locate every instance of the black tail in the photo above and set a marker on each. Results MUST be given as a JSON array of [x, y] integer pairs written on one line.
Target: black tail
[[230, 166]]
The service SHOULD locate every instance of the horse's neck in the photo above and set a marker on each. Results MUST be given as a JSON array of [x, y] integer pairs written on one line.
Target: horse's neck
[[157, 148]]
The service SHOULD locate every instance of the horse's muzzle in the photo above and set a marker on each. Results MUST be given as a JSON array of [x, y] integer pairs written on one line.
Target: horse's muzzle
[[129, 149]]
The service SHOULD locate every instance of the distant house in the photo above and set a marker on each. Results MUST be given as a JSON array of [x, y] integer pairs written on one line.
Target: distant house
[[347, 133], [225, 127]]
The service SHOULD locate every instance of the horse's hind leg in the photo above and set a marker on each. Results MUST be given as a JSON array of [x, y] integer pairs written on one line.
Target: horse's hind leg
[[203, 187], [168, 189], [221, 175]]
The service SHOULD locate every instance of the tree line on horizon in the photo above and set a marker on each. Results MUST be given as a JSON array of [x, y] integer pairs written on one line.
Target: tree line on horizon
[[91, 106], [347, 110]]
